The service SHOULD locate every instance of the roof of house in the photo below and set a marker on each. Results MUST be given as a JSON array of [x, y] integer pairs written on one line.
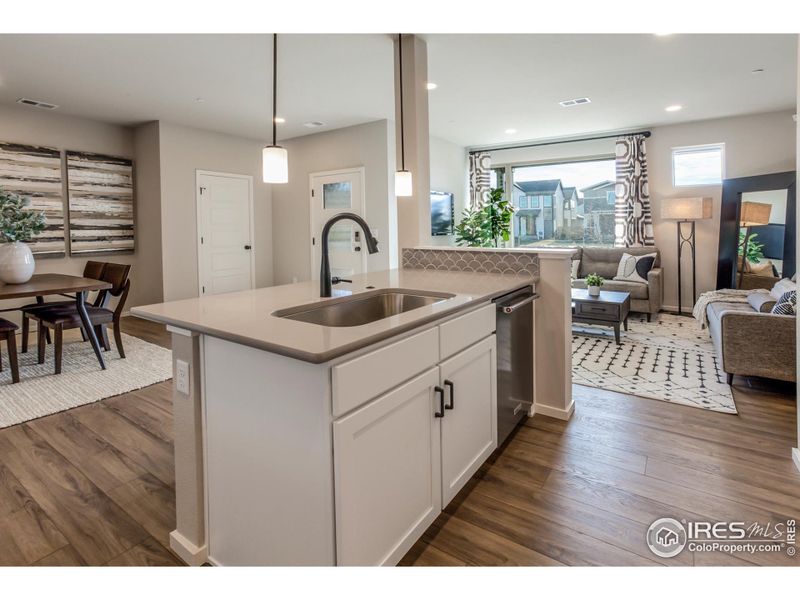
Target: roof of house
[[598, 185], [542, 186], [569, 191]]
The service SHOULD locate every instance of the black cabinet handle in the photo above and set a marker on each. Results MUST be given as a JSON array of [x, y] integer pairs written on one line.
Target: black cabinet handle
[[452, 404], [440, 413]]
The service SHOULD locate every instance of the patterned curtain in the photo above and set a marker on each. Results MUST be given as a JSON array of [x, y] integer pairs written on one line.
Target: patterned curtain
[[633, 221], [480, 165]]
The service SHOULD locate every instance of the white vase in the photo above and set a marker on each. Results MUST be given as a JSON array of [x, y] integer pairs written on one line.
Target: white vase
[[594, 290], [16, 262]]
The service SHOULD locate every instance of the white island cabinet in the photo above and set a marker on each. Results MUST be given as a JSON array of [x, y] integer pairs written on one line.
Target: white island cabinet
[[346, 462]]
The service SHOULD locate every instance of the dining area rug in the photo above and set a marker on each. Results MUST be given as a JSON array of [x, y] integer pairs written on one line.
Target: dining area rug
[[671, 359], [40, 392]]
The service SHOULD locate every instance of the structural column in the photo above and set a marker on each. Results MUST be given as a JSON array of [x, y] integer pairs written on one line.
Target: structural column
[[413, 213], [553, 338]]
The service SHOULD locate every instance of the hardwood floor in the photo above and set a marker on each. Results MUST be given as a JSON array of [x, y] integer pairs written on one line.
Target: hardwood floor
[[95, 485]]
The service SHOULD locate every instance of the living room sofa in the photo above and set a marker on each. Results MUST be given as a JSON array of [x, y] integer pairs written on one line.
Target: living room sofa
[[645, 297], [752, 343]]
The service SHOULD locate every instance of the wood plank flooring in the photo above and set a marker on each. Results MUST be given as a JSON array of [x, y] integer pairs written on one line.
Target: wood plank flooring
[[95, 485]]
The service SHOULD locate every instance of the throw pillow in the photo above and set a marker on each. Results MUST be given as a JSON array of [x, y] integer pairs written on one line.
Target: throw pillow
[[780, 288], [574, 270], [761, 302], [786, 305], [635, 268]]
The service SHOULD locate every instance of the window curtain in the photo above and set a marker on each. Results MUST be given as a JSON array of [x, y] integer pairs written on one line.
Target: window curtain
[[480, 165], [633, 220]]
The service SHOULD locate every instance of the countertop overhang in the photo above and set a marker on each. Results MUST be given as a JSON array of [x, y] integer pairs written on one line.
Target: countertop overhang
[[247, 317]]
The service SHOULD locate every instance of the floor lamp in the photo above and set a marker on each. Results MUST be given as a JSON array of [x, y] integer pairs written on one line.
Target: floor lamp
[[750, 214], [686, 210]]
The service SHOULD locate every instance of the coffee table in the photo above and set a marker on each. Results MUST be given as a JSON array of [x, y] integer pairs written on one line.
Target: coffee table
[[609, 308]]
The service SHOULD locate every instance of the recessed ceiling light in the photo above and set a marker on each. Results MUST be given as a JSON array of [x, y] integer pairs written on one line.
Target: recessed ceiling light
[[313, 124], [662, 34], [511, 130], [673, 108], [431, 86], [280, 120]]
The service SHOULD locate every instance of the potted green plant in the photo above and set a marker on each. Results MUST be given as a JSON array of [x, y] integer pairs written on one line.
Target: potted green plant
[[487, 225], [18, 224], [594, 282]]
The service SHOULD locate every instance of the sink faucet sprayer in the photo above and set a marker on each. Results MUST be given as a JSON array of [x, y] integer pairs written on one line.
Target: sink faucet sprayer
[[325, 267]]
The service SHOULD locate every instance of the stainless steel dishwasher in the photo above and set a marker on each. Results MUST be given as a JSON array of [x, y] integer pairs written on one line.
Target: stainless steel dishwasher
[[514, 359]]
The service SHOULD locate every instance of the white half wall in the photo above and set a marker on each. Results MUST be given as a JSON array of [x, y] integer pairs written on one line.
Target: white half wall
[[183, 151], [371, 146]]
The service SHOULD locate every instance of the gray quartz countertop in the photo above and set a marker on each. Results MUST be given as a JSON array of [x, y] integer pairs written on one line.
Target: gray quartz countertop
[[247, 317]]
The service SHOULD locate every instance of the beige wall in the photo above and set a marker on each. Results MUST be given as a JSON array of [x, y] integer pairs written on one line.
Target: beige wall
[[32, 126], [370, 146], [183, 151], [449, 173]]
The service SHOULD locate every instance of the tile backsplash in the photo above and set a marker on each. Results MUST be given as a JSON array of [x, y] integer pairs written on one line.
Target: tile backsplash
[[477, 261]]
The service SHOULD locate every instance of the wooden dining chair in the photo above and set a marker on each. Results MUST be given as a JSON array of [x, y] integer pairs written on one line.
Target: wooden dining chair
[[92, 270], [59, 318], [7, 333]]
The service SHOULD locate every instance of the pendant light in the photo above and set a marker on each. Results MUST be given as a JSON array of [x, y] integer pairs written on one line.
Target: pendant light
[[402, 179], [275, 159]]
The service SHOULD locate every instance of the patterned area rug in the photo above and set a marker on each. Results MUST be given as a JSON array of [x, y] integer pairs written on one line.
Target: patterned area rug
[[671, 360], [40, 392]]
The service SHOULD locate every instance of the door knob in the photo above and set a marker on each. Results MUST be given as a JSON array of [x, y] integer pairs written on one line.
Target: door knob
[[357, 248], [247, 246]]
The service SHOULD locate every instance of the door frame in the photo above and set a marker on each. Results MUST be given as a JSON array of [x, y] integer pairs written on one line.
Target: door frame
[[199, 222], [362, 171]]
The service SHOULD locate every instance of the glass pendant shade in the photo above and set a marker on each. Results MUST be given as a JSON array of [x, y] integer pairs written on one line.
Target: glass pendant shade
[[275, 164], [402, 184]]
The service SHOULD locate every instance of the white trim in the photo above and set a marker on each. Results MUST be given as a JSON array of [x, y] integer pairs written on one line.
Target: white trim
[[198, 217], [191, 554], [796, 457], [557, 413], [362, 172]]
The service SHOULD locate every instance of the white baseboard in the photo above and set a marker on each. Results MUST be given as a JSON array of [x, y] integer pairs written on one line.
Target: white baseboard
[[796, 457], [557, 413], [192, 555]]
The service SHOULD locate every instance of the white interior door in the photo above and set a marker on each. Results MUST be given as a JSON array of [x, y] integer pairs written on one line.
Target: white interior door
[[334, 192], [225, 232]]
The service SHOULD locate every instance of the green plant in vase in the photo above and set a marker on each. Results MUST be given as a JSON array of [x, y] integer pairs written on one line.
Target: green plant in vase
[[487, 225], [18, 224], [594, 282]]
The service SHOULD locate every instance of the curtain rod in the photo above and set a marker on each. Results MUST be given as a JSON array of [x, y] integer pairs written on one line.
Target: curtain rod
[[554, 142]]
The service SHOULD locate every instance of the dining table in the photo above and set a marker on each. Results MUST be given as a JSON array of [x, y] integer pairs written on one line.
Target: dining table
[[50, 284]]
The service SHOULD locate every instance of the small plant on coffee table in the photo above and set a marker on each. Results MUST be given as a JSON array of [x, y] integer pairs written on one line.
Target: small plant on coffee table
[[594, 280]]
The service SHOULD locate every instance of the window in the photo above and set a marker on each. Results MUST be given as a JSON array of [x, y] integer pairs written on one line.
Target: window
[[698, 165], [523, 202], [587, 218]]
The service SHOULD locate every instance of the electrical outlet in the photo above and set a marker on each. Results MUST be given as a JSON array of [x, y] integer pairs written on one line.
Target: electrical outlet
[[182, 376]]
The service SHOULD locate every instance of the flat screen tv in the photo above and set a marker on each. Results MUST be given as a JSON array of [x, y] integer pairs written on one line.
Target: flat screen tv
[[442, 213]]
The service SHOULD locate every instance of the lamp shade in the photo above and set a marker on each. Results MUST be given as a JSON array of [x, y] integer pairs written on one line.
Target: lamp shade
[[403, 184], [275, 164], [686, 209], [754, 213]]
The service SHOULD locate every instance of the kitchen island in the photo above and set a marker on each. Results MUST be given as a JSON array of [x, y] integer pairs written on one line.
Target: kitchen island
[[298, 443]]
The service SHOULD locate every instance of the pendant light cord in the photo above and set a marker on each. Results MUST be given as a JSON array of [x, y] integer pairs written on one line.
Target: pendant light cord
[[402, 128], [274, 86]]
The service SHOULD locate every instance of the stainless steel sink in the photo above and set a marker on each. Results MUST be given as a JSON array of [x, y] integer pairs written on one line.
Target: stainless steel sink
[[361, 309]]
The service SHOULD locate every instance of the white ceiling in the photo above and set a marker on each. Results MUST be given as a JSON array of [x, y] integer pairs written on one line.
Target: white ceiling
[[491, 83], [340, 80], [487, 83]]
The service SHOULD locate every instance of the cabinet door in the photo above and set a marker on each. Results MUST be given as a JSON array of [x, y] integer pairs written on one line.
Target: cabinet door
[[387, 473], [469, 428]]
